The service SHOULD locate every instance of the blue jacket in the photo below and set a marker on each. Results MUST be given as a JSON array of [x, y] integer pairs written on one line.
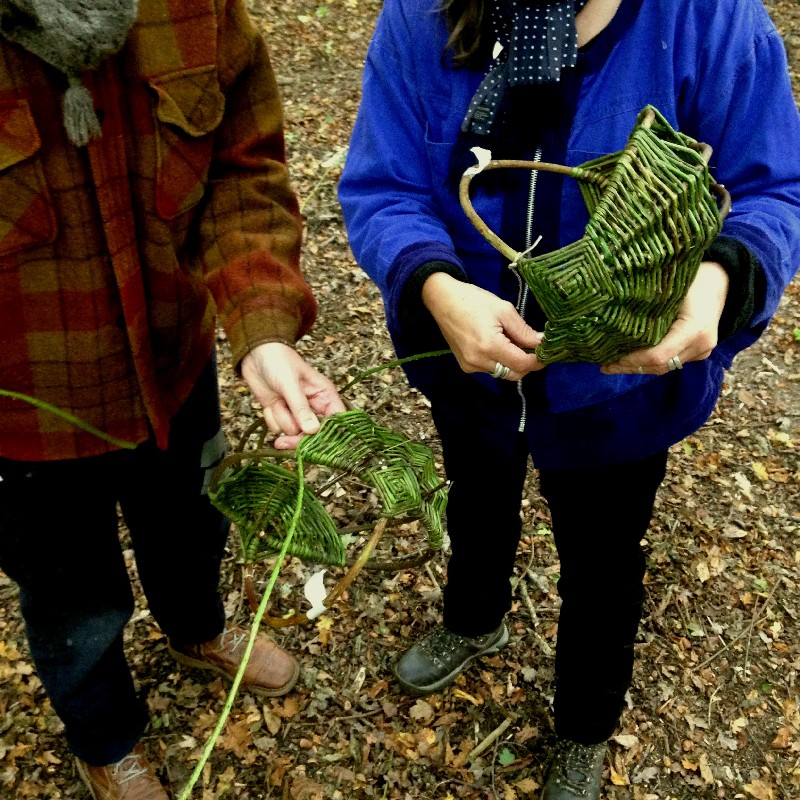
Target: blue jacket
[[716, 71]]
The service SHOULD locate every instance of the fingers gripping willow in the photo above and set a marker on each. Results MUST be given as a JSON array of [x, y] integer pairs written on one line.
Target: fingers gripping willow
[[260, 497], [652, 215]]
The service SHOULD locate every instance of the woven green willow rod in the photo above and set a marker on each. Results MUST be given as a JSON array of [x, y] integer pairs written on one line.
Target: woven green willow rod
[[70, 418], [254, 630], [652, 214], [398, 362]]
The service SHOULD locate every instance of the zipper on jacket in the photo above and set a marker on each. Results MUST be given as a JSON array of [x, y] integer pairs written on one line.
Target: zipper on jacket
[[522, 301]]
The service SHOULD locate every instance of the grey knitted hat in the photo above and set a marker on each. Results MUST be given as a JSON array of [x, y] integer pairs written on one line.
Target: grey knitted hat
[[73, 36]]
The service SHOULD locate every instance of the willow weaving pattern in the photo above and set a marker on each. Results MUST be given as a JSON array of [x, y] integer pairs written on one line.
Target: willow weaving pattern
[[260, 497], [652, 215], [402, 472]]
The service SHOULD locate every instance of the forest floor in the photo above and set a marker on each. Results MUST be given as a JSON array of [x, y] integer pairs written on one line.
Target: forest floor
[[714, 710]]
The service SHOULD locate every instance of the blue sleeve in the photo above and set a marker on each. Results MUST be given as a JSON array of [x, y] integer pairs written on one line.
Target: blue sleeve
[[386, 187], [743, 106]]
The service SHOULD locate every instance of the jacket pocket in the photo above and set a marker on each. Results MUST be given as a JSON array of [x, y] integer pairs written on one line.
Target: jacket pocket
[[189, 107], [444, 191], [26, 212]]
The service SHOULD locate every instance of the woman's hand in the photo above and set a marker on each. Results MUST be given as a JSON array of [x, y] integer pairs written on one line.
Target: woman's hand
[[692, 336], [292, 393], [481, 329]]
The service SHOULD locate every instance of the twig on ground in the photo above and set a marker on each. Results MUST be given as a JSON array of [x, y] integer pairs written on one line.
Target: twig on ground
[[516, 582], [711, 703], [526, 598], [756, 618], [401, 563], [491, 738], [642, 761], [455, 782], [494, 761], [246, 585], [664, 604], [363, 715], [433, 577], [742, 634]]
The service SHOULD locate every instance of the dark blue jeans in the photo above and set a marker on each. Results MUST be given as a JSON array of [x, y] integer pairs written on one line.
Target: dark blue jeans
[[599, 517], [59, 541]]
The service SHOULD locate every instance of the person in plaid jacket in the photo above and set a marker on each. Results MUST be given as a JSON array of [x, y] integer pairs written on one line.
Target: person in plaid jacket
[[145, 198]]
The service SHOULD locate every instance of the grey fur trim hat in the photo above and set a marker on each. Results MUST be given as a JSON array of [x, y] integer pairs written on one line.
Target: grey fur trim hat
[[73, 36]]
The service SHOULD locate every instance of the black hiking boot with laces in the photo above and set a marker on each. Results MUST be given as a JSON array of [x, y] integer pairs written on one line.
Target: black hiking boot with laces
[[574, 772], [436, 659]]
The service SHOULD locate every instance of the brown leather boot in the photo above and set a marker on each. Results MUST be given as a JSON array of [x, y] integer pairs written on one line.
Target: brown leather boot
[[270, 671], [130, 778]]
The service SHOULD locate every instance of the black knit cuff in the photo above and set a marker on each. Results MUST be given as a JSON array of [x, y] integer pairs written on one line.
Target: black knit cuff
[[747, 287], [412, 313]]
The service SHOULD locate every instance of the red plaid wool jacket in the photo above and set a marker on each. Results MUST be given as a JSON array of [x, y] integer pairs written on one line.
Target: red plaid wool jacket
[[116, 258]]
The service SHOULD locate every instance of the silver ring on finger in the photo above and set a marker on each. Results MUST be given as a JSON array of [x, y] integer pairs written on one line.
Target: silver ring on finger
[[674, 363], [500, 371]]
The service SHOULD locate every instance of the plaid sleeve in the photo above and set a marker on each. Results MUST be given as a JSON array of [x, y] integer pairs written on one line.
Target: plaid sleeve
[[250, 227]]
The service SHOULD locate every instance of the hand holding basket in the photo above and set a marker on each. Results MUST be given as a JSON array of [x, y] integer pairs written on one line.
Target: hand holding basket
[[652, 214]]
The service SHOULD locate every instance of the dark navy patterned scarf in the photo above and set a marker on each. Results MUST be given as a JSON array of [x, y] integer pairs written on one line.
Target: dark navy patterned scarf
[[535, 42]]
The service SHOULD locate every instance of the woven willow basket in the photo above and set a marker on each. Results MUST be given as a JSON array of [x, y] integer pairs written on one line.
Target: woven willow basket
[[652, 214], [261, 498]]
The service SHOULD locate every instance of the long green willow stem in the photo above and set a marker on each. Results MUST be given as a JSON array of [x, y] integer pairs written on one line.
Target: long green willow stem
[[259, 614], [65, 415], [396, 363], [254, 628]]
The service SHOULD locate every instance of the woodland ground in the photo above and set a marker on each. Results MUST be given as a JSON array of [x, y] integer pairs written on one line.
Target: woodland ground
[[714, 711]]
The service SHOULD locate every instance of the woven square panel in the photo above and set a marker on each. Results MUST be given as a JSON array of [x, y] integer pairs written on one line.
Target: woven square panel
[[653, 211]]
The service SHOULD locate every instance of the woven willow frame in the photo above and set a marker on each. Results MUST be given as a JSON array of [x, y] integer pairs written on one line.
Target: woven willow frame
[[652, 215], [262, 497]]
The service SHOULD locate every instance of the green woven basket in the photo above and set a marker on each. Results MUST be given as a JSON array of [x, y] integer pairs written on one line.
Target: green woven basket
[[652, 214]]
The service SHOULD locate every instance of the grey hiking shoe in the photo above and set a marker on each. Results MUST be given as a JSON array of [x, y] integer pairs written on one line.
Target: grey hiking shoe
[[574, 772], [436, 659]]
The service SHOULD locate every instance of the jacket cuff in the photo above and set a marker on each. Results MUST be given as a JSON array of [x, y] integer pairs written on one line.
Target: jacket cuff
[[412, 312], [405, 264], [747, 285]]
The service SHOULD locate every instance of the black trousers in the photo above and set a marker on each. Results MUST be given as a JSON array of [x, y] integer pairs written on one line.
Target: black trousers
[[599, 517], [59, 541]]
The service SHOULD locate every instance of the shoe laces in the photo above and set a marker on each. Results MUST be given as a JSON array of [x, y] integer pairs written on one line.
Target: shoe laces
[[129, 768], [441, 643], [577, 762], [231, 639]]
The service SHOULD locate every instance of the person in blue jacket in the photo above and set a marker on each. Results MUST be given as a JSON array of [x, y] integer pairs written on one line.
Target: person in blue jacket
[[561, 82]]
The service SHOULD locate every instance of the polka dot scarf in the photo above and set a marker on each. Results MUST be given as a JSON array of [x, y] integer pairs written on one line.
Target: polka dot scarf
[[535, 42]]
